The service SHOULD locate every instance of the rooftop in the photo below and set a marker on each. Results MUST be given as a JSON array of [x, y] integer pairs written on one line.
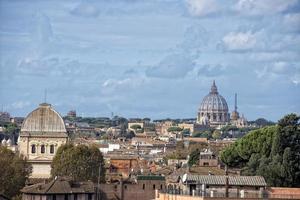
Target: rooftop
[[150, 177], [60, 185], [221, 180]]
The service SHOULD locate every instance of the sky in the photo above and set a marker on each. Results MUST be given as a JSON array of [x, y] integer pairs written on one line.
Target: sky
[[150, 58]]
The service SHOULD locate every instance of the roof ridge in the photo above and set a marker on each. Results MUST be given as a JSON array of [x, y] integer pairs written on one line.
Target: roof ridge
[[50, 185]]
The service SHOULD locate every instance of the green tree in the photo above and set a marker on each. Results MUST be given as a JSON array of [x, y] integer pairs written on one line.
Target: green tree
[[252, 165], [275, 148], [174, 129], [287, 170], [11, 128], [186, 132], [194, 157], [130, 134], [80, 162], [216, 134], [14, 170], [136, 126]]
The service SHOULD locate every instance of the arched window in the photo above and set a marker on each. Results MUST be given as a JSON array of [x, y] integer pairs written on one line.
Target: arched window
[[42, 148], [51, 148], [33, 148]]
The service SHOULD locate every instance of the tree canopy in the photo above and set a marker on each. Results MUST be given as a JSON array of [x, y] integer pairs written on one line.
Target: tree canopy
[[174, 129], [216, 134], [194, 157], [79, 162], [272, 152], [14, 171], [136, 126]]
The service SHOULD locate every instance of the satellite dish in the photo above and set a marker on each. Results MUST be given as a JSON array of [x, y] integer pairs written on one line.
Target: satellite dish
[[184, 177]]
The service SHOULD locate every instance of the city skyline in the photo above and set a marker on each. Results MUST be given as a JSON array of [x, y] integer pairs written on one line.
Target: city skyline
[[150, 59]]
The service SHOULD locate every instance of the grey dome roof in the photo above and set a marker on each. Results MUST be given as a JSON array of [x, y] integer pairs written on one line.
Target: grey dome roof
[[43, 119], [213, 101]]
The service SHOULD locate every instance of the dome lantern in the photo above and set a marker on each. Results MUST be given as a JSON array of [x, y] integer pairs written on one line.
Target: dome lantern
[[214, 89]]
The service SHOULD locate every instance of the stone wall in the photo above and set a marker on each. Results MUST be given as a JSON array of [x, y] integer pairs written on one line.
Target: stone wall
[[143, 189]]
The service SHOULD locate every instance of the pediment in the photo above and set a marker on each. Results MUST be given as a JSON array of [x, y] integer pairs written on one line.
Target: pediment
[[41, 158]]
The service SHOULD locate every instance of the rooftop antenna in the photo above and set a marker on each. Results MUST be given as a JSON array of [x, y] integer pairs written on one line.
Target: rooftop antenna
[[45, 96], [235, 102]]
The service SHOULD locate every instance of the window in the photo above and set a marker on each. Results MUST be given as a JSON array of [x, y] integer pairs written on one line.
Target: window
[[75, 197], [33, 149], [54, 197], [161, 187], [143, 186], [66, 197], [51, 148], [153, 187], [89, 196], [125, 187], [42, 148]]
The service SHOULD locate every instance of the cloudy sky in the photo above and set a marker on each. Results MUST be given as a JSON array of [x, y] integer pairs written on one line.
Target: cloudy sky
[[154, 58]]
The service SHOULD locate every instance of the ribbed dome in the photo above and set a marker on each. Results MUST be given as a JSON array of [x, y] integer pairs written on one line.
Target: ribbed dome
[[213, 101], [213, 108], [43, 119]]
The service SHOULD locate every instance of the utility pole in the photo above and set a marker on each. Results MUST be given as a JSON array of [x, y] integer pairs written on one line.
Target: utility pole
[[98, 195]]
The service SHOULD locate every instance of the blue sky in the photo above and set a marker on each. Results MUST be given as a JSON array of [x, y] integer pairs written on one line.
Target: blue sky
[[154, 58]]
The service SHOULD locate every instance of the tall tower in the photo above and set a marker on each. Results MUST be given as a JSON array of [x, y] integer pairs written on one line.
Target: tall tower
[[235, 102], [235, 113]]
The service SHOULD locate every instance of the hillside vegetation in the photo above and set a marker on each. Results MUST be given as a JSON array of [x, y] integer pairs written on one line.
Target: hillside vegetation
[[272, 152]]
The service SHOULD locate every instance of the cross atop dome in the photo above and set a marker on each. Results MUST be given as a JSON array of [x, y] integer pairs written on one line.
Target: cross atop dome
[[214, 89]]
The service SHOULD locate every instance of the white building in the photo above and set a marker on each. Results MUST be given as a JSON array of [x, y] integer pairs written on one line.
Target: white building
[[109, 148], [42, 133]]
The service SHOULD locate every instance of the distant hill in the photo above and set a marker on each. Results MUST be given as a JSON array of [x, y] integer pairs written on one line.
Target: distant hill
[[261, 122]]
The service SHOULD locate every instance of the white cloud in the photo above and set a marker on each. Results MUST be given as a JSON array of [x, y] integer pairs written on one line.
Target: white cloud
[[279, 71], [114, 83], [261, 72], [296, 79], [263, 7], [173, 66], [20, 104], [195, 39], [42, 28], [292, 21], [239, 41], [202, 7], [212, 70], [280, 67], [85, 9]]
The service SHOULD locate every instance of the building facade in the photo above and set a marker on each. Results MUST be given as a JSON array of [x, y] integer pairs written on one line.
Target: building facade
[[42, 133]]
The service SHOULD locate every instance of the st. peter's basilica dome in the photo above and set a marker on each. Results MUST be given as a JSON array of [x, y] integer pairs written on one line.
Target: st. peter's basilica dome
[[213, 107]]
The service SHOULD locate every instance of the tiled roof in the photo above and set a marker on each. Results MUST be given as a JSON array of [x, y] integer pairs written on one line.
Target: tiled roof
[[233, 180], [150, 177], [60, 186]]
